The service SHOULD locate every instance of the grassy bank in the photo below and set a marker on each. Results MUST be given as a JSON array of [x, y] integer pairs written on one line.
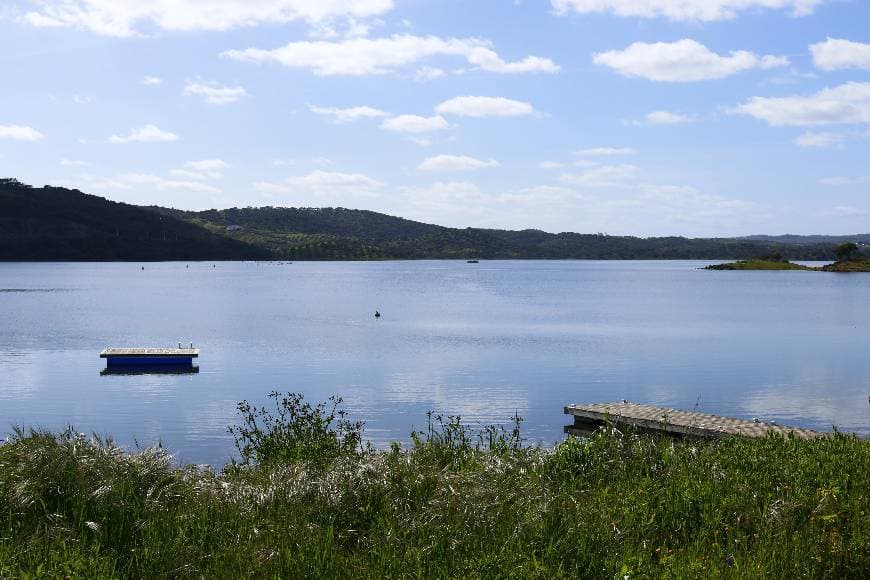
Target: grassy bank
[[307, 500], [759, 265], [858, 265]]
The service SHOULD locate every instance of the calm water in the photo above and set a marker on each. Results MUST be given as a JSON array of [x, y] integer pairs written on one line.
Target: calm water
[[483, 341]]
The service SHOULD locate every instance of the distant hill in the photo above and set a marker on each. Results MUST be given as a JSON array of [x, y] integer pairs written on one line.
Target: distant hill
[[53, 223], [860, 239], [338, 233], [63, 224]]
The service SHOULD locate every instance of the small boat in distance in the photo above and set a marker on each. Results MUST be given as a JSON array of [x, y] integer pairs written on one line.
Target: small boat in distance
[[473, 262], [138, 357]]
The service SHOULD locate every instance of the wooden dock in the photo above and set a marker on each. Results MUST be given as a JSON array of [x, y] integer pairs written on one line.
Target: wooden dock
[[149, 356], [588, 418]]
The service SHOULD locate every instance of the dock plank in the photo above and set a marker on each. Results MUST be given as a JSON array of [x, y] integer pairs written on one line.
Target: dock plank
[[673, 421], [150, 352]]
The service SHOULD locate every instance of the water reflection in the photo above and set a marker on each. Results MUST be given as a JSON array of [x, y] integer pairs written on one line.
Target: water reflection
[[150, 370]]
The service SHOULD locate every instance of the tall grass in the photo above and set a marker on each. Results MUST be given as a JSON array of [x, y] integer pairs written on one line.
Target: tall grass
[[307, 499]]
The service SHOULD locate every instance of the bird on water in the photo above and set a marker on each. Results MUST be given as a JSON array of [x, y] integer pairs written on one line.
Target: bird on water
[[377, 314]]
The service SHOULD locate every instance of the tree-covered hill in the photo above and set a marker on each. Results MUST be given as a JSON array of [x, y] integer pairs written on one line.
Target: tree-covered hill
[[58, 223], [65, 224], [338, 233]]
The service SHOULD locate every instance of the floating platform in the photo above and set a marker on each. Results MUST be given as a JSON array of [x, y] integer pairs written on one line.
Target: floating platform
[[139, 357], [588, 418]]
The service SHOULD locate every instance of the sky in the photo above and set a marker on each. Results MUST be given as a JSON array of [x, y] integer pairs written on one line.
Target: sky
[[630, 117]]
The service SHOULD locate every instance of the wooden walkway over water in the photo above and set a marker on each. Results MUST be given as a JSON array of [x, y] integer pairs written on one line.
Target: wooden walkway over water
[[588, 418]]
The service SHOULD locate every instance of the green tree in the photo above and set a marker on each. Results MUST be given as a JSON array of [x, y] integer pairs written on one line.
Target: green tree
[[846, 251]]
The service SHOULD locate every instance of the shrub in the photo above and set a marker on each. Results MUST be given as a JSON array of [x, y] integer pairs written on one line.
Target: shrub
[[296, 431]]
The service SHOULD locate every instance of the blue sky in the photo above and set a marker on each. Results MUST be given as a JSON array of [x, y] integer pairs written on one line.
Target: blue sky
[[641, 117]]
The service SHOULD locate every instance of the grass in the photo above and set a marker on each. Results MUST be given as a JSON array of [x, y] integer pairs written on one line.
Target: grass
[[759, 265], [856, 265], [307, 499]]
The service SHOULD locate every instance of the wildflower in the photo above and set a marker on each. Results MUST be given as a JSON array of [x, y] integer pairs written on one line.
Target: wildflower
[[729, 560]]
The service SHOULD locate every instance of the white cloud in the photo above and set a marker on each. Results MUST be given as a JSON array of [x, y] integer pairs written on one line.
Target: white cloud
[[683, 10], [667, 118], [367, 56], [840, 181], [846, 103], [683, 61], [428, 73], [323, 183], [605, 151], [152, 81], [602, 176], [20, 133], [421, 141], [201, 170], [187, 174], [835, 53], [846, 211], [161, 184], [208, 165], [214, 93], [128, 181], [82, 100], [349, 114], [72, 163], [823, 140], [127, 17], [455, 163], [470, 106], [551, 165], [146, 134], [415, 124]]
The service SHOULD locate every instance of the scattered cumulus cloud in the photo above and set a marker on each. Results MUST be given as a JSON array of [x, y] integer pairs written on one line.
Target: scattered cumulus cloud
[[456, 163], [602, 176], [846, 103], [824, 140], [202, 170], [605, 151], [349, 114], [370, 56], [322, 183], [428, 73], [471, 106], [72, 163], [152, 81], [131, 181], [681, 62], [415, 124], [124, 18], [846, 211], [666, 118], [683, 10], [146, 134], [82, 100], [836, 53], [20, 133], [214, 93], [161, 184], [843, 181]]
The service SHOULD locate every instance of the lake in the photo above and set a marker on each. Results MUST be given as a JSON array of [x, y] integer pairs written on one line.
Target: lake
[[483, 341]]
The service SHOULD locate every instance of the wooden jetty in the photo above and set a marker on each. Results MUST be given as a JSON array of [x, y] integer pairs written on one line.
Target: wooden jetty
[[587, 418], [149, 356]]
